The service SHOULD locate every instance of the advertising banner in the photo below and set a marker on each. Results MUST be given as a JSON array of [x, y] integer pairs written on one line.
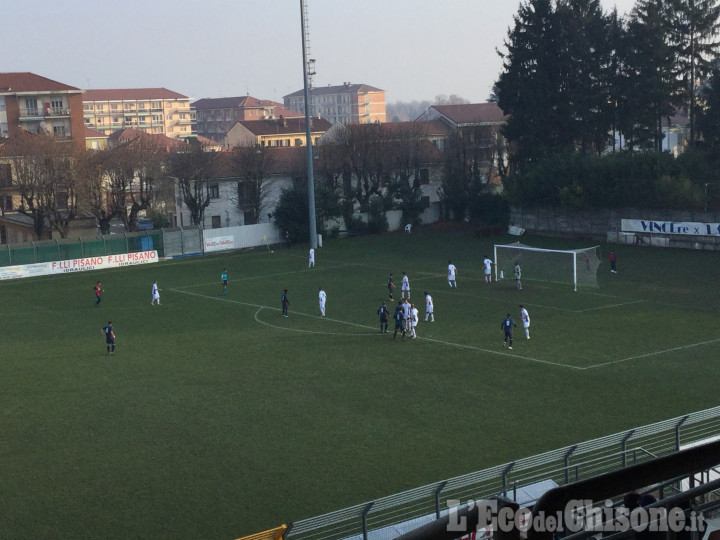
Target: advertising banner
[[219, 243], [690, 228], [78, 265]]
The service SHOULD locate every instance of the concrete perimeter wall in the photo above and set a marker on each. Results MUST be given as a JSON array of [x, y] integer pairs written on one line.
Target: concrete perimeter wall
[[605, 225]]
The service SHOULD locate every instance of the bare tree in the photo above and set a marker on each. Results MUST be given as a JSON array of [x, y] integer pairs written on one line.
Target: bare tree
[[252, 165], [192, 168], [133, 168], [407, 148], [45, 179], [93, 195]]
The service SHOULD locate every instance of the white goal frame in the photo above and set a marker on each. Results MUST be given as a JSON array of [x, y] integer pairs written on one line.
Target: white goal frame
[[574, 253]]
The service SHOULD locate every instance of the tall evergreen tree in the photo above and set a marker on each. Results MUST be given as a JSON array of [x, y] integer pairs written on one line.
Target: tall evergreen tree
[[696, 27], [585, 73], [527, 89], [646, 84]]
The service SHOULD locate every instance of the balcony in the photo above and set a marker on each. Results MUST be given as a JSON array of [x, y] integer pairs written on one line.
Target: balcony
[[38, 112]]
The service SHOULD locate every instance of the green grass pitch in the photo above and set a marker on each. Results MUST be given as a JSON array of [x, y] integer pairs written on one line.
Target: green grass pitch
[[217, 417]]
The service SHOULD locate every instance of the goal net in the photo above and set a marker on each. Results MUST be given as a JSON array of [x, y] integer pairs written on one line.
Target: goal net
[[576, 267]]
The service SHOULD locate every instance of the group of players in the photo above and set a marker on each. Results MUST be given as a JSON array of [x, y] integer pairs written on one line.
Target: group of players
[[406, 315]]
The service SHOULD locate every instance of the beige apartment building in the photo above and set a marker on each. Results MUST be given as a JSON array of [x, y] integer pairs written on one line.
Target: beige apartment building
[[280, 132], [39, 105], [152, 110], [344, 104]]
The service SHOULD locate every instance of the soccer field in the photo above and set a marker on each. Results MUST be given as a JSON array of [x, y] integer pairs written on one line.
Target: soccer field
[[217, 417]]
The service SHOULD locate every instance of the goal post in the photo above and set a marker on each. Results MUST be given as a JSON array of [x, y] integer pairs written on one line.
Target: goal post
[[576, 267]]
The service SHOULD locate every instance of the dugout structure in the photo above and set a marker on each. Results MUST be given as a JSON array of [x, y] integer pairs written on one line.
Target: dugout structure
[[576, 267]]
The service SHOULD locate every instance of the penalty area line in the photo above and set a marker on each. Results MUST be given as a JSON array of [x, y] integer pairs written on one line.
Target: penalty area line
[[431, 340], [654, 353], [501, 353]]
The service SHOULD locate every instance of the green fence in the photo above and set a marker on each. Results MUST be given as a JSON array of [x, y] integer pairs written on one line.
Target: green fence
[[78, 248]]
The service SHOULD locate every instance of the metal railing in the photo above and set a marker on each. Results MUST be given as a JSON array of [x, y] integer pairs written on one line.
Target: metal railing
[[562, 466]]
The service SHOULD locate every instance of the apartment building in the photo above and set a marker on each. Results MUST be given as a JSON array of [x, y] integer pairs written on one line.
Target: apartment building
[[344, 104], [152, 110], [40, 105], [216, 116]]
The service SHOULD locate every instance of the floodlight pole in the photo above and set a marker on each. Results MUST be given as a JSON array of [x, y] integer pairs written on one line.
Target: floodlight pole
[[308, 136]]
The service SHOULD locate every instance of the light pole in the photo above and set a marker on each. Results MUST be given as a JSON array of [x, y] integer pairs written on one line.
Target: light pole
[[308, 136]]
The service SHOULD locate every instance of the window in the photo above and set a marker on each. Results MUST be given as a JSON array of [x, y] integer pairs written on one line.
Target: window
[[216, 222], [62, 200], [242, 192], [214, 191], [31, 106], [114, 106], [424, 176], [59, 131], [182, 116], [87, 107], [56, 105], [5, 175], [8, 202], [249, 217], [3, 129], [168, 117], [116, 119]]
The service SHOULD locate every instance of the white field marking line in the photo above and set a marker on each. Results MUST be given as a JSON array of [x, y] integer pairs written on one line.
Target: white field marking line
[[543, 306], [447, 291], [654, 353], [273, 309], [261, 277], [490, 351], [449, 343], [257, 319], [609, 306]]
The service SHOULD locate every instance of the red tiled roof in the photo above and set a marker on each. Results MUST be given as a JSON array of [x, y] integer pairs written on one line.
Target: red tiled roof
[[130, 94], [339, 89], [131, 134], [284, 126], [93, 134], [240, 102], [29, 82], [418, 127], [280, 161], [472, 113]]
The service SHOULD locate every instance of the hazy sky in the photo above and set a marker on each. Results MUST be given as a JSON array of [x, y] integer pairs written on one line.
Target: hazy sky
[[412, 49]]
